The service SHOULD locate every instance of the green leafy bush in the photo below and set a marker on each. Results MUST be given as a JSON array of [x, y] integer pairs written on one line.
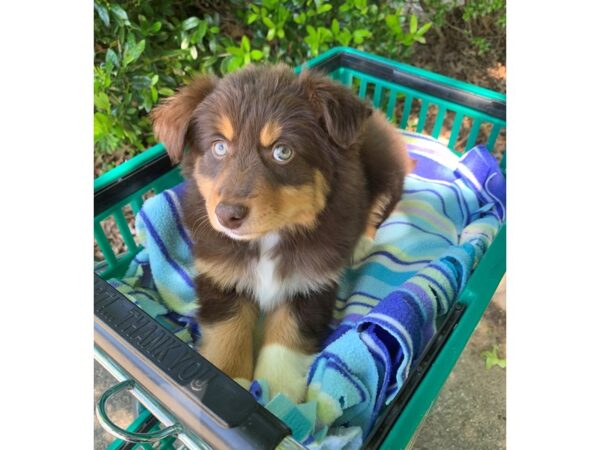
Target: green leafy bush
[[145, 50], [142, 54], [472, 18]]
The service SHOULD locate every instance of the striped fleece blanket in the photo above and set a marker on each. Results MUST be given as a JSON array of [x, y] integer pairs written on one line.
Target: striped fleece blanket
[[387, 304]]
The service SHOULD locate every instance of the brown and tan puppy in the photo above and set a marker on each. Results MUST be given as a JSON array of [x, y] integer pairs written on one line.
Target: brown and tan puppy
[[286, 174]]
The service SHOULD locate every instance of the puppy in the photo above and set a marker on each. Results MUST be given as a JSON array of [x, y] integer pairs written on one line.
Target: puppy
[[286, 174]]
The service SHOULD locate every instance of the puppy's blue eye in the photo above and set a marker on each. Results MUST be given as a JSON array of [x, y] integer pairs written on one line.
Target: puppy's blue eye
[[220, 149], [282, 154]]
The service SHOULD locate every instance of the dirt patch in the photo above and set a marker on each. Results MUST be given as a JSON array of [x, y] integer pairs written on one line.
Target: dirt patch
[[470, 412]]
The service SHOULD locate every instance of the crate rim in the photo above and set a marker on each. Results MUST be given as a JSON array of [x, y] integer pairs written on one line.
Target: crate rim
[[452, 82]]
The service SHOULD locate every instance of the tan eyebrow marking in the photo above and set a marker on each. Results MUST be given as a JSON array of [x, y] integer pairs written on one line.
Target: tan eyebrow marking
[[270, 132], [225, 127]]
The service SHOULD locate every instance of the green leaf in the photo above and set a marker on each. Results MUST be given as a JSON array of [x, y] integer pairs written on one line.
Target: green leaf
[[324, 8], [101, 125], [200, 32], [224, 65], [112, 58], [283, 14], [234, 63], [335, 26], [133, 53], [256, 55], [300, 18], [130, 39], [424, 29], [392, 22], [268, 22], [194, 52], [101, 102], [119, 13], [326, 35], [413, 24], [209, 63], [251, 18], [185, 43], [270, 4], [271, 34], [312, 42], [154, 79], [344, 37], [103, 14], [166, 91], [121, 34], [266, 51], [147, 101], [189, 23], [154, 94], [360, 4], [492, 359], [141, 82], [235, 51], [245, 44], [156, 26], [212, 45]]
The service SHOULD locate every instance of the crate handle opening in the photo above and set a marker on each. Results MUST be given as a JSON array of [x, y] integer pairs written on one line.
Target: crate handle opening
[[129, 436]]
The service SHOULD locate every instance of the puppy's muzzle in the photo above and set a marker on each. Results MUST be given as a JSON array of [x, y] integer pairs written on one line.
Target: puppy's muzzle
[[231, 215]]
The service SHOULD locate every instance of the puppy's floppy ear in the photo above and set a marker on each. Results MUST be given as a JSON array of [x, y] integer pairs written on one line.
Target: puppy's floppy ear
[[341, 112], [172, 117]]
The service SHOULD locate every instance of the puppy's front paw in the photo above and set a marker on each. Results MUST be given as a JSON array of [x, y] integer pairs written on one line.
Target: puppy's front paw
[[243, 382], [284, 370]]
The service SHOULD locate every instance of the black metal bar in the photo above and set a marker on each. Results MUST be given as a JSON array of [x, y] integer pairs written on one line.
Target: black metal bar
[[388, 417], [132, 182], [203, 399], [330, 64], [494, 108]]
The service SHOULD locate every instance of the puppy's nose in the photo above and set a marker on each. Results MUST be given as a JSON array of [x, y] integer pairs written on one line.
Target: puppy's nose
[[231, 216]]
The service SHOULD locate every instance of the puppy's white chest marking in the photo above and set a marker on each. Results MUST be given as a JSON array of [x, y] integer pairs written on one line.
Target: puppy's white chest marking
[[268, 288]]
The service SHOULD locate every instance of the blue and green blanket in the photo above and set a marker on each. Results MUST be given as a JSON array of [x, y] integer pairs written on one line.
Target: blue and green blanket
[[387, 305]]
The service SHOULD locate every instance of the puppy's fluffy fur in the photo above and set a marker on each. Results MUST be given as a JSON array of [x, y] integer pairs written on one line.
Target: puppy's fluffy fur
[[273, 232]]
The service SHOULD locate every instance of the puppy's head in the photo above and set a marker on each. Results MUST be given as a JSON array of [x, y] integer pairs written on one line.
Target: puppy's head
[[263, 145]]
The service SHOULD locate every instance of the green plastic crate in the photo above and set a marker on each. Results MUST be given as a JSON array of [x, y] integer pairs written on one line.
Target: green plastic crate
[[387, 84]]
